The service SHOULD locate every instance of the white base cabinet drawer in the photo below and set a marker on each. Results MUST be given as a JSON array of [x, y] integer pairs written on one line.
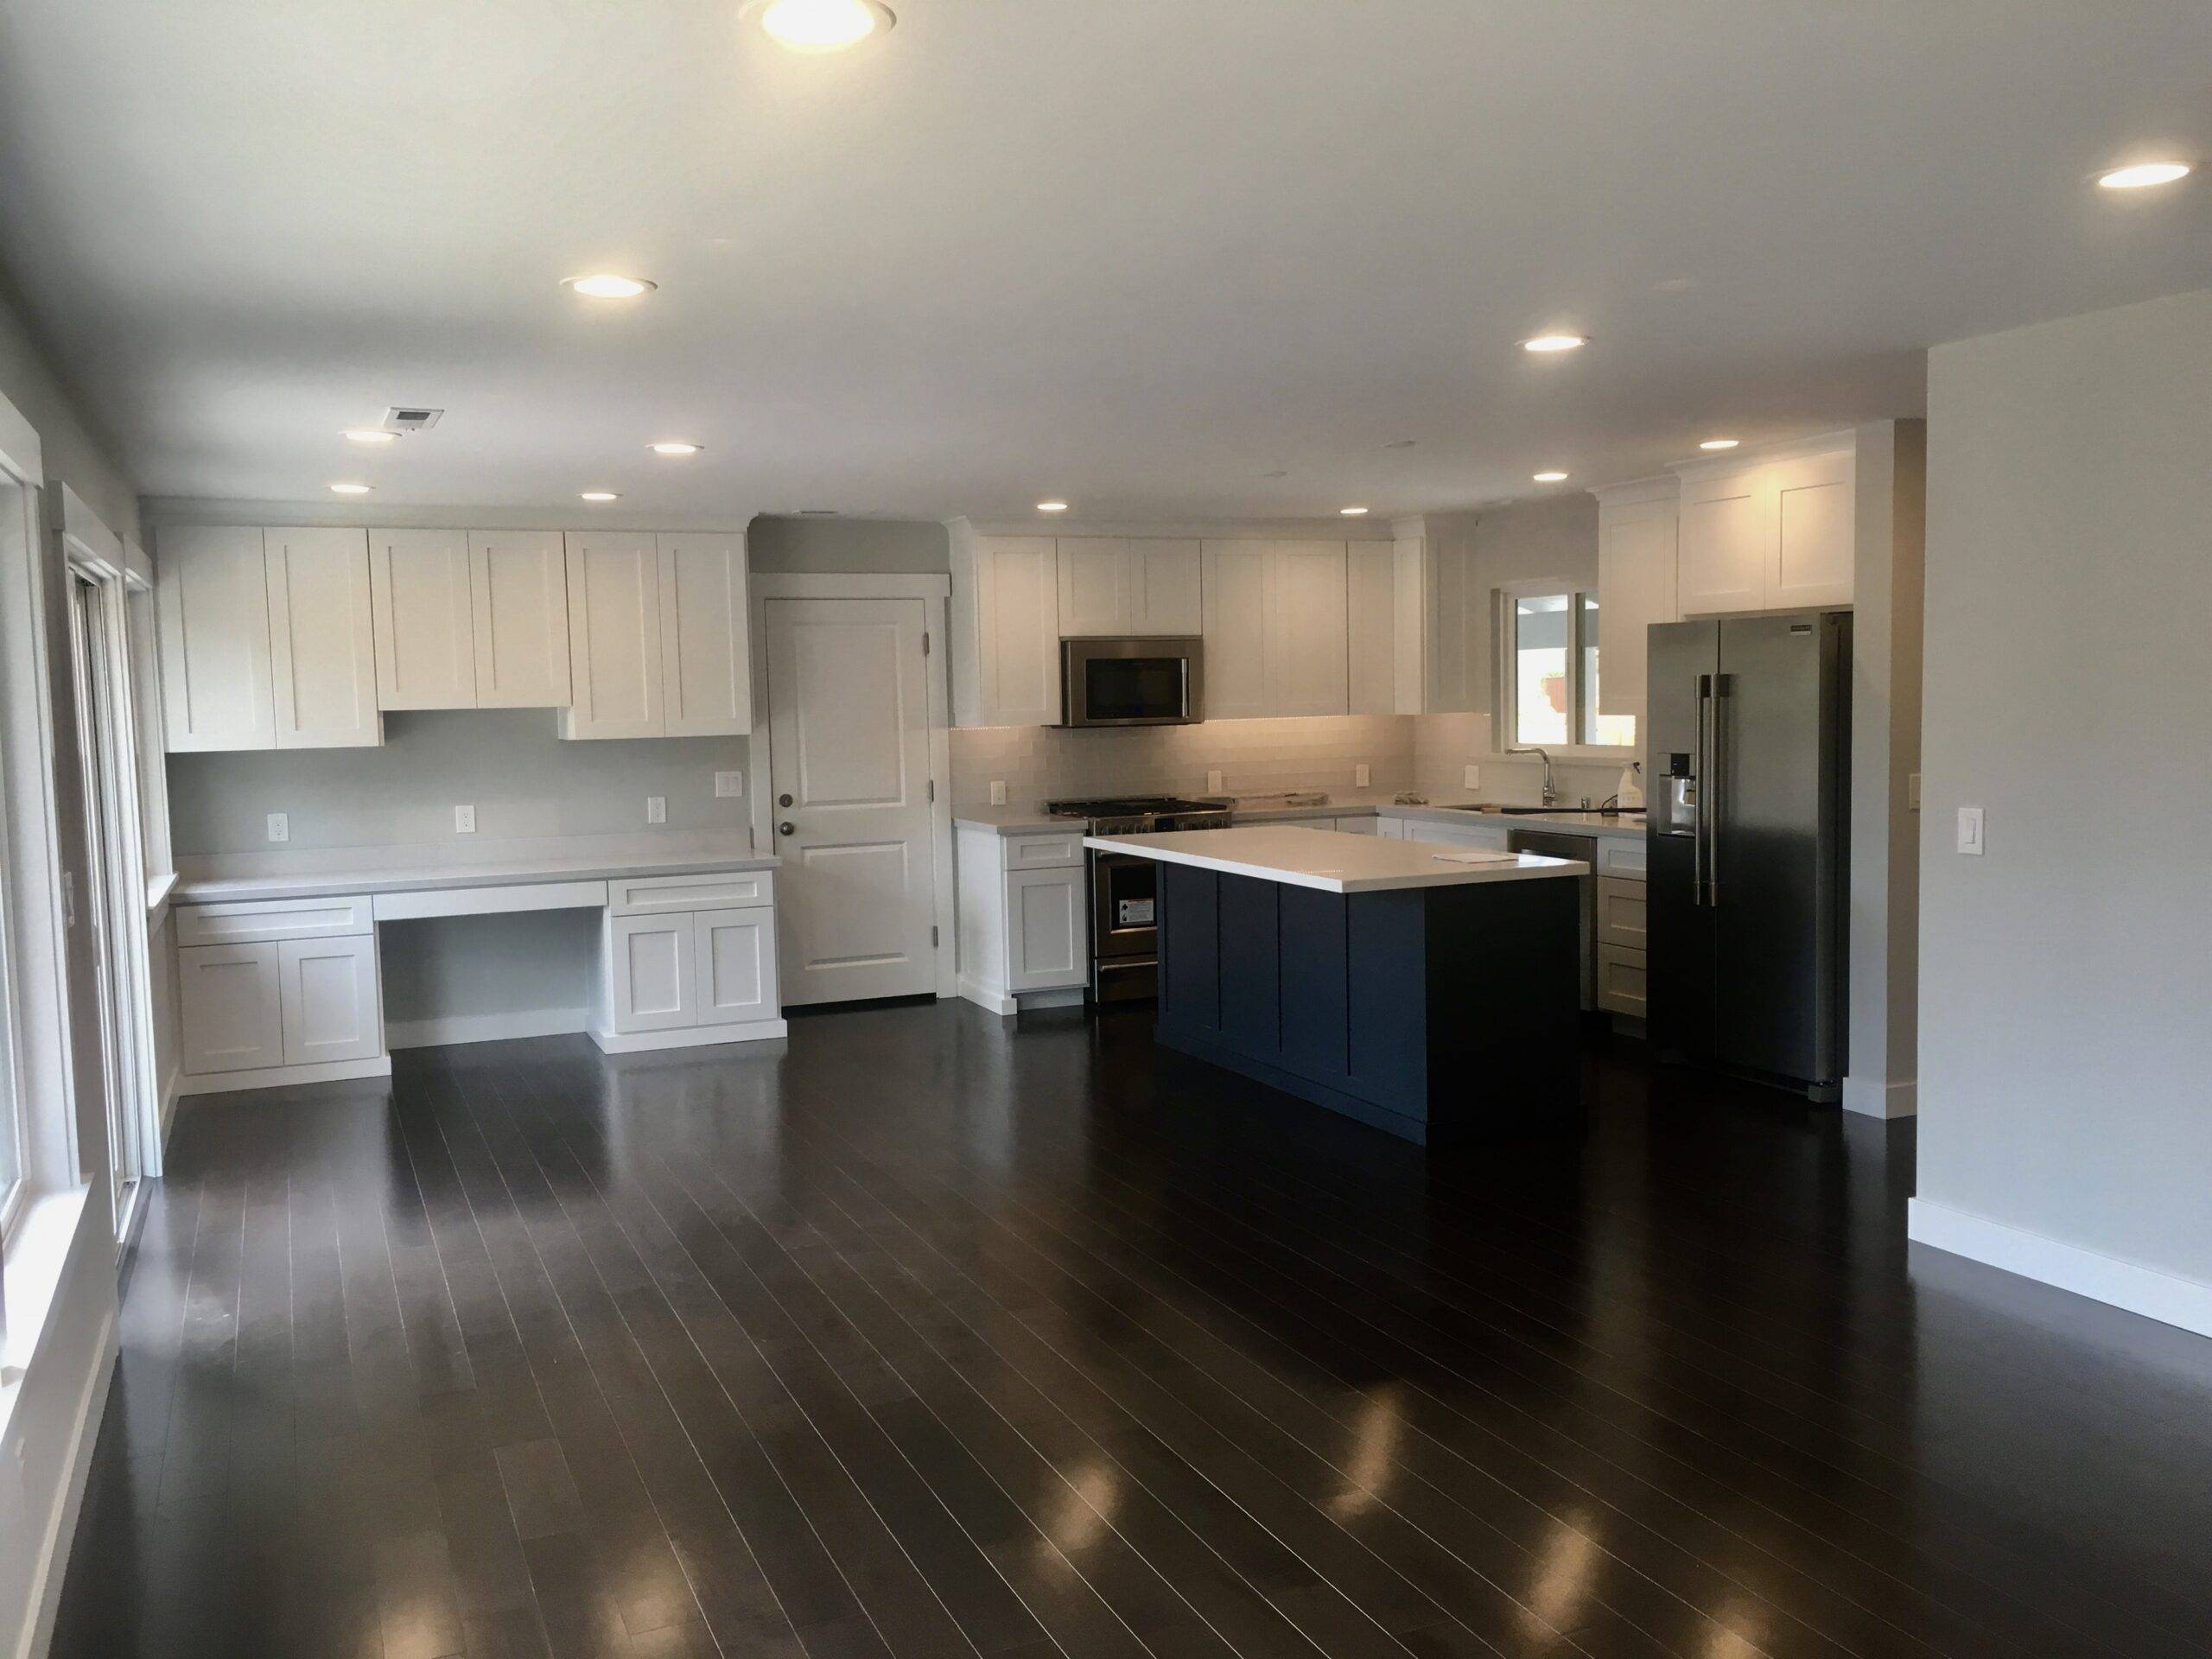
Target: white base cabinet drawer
[[1621, 913], [230, 1007], [1620, 980], [663, 894], [1042, 852], [327, 994], [1622, 858], [1491, 836], [245, 921], [1359, 826]]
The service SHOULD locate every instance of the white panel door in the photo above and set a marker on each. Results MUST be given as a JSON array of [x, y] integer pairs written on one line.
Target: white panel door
[[652, 972], [328, 990], [518, 601], [1236, 614], [1164, 585], [736, 967], [849, 779], [615, 687], [228, 1007], [1635, 587], [1727, 544], [706, 659], [321, 638], [1370, 622], [1813, 545], [1047, 938], [213, 599], [1018, 616], [1094, 586], [1308, 666], [425, 632]]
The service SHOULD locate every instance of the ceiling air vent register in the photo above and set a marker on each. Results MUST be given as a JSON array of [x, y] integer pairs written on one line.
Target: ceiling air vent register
[[411, 417]]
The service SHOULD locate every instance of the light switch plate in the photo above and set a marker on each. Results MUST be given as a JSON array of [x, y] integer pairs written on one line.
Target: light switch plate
[[1213, 782], [1970, 831], [1360, 775], [998, 791], [729, 785], [464, 820], [656, 809], [280, 826], [1474, 777]]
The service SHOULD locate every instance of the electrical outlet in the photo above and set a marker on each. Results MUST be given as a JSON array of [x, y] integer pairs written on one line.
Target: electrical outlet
[[464, 820], [1360, 775], [280, 827], [1970, 832], [1474, 777], [729, 785], [1912, 792], [998, 791], [1213, 782], [656, 809]]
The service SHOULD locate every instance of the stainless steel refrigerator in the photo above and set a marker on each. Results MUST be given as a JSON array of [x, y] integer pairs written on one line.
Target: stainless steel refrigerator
[[1749, 764]]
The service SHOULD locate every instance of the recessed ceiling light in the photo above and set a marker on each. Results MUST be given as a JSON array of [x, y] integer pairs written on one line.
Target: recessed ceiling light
[[1718, 443], [1052, 506], [606, 285], [1549, 478], [675, 449], [2143, 174], [349, 489], [1554, 342], [370, 434], [597, 495], [1351, 512], [815, 26]]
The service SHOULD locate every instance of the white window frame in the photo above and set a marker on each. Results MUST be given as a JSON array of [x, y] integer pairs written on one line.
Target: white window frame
[[1506, 696]]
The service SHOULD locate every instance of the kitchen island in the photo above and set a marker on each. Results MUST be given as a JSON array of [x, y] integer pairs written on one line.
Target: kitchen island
[[1431, 992]]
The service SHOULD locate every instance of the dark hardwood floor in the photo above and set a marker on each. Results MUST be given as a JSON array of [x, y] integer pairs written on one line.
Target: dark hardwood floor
[[933, 1338]]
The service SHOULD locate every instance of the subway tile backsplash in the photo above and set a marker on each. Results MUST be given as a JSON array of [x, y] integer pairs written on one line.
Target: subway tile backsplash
[[1254, 757]]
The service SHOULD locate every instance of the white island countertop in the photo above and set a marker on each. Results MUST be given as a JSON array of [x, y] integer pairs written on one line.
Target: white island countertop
[[1332, 862]]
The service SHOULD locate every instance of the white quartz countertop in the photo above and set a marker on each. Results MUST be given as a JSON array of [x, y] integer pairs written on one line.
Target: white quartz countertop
[[400, 869], [1330, 860], [1440, 808]]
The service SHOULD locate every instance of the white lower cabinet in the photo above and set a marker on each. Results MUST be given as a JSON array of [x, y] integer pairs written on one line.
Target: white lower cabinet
[[1024, 917], [653, 974], [1389, 828], [272, 1004], [1358, 826], [229, 1005], [697, 975], [1491, 836], [1047, 944], [328, 996], [736, 950]]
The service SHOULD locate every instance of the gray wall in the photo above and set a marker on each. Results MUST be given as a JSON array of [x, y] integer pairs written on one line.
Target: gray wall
[[522, 780], [2066, 1055], [869, 546]]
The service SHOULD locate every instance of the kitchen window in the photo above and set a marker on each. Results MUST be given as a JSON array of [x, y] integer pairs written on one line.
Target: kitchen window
[[1547, 662]]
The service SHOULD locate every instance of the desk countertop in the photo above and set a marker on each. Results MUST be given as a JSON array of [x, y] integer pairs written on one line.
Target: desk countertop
[[401, 870]]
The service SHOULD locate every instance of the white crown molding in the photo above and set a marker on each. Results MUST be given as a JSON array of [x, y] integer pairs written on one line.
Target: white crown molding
[[171, 510], [1636, 491], [1237, 530], [1823, 443]]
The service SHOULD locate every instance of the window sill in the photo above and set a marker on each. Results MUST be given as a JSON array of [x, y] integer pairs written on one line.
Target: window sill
[[158, 888], [1578, 754], [37, 1253]]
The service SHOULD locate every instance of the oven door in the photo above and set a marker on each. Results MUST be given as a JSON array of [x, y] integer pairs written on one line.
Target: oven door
[[1130, 682], [1124, 928]]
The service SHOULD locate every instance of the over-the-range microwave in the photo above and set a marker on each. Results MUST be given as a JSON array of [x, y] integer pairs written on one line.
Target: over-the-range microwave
[[1131, 682]]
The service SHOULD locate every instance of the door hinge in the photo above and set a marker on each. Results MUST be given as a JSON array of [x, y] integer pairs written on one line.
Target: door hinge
[[932, 936], [932, 789], [925, 642]]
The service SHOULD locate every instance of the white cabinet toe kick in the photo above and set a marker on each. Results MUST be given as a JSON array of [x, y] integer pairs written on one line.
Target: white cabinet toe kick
[[282, 991]]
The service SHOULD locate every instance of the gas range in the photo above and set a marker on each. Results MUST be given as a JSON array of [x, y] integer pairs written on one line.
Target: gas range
[[1138, 814]]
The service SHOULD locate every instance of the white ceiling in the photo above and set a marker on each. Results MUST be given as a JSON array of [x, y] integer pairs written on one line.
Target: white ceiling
[[1136, 253]]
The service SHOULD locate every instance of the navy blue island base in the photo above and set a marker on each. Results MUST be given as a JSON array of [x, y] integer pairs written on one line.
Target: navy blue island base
[[1439, 1014]]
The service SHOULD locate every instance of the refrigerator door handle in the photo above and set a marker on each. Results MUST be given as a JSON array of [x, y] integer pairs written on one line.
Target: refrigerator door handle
[[1698, 849], [1708, 815]]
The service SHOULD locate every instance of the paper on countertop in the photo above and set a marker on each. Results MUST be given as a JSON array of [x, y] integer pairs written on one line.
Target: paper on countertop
[[1475, 855]]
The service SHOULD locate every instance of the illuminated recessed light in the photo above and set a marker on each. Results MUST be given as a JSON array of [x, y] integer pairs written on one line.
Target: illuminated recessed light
[[1549, 478], [349, 489], [675, 449], [814, 26], [1052, 506], [606, 285], [2143, 174], [370, 434], [597, 495], [1718, 443], [1352, 513], [1554, 342]]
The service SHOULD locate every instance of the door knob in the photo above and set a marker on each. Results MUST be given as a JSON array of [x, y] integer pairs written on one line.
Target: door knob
[[783, 800], [787, 828]]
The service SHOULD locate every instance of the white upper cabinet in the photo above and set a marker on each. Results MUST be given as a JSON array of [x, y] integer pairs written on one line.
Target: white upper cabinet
[[1005, 612], [1370, 613], [1635, 586], [1308, 669], [322, 641], [425, 634], [213, 599], [1769, 534], [518, 603], [1094, 593], [706, 662], [1163, 582], [1236, 614], [616, 687], [1110, 585]]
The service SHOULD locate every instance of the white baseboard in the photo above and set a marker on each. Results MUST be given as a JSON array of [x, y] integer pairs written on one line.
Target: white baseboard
[[1875, 1098], [1003, 1003], [61, 1529], [171, 1090], [983, 997], [640, 1042], [2162, 1296], [444, 1031], [284, 1076], [1068, 996]]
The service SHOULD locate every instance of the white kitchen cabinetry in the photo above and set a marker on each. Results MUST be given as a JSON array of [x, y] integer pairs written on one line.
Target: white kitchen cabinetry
[[212, 593], [322, 642], [615, 685], [1358, 826], [1024, 918], [1236, 629], [1007, 622], [279, 991], [706, 653], [1622, 962], [1635, 587], [229, 1007], [519, 600], [326, 994], [1370, 619], [705, 973], [652, 972], [425, 633], [1114, 586], [736, 966], [1276, 630], [1769, 533], [1489, 836]]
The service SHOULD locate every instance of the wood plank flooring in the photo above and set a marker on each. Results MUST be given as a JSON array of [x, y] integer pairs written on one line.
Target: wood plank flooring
[[937, 1339]]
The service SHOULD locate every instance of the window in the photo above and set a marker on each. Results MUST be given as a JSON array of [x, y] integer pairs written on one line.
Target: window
[[1547, 671]]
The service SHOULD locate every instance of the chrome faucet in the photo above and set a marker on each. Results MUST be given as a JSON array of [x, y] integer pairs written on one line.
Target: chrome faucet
[[1551, 795]]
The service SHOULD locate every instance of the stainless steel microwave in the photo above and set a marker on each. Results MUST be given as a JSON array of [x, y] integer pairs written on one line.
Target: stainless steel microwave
[[1131, 682]]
